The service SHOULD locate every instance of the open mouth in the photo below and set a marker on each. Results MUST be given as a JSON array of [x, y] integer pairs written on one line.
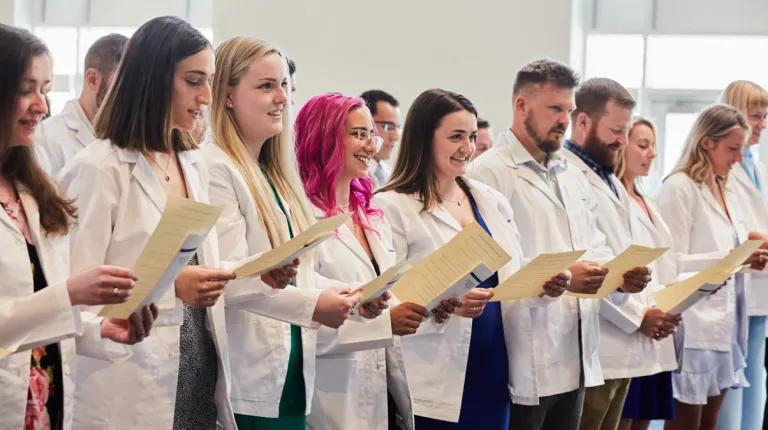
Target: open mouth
[[461, 159], [197, 113], [363, 159], [275, 113], [29, 124]]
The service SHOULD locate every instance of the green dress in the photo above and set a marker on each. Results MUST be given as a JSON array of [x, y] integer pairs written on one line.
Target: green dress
[[291, 415]]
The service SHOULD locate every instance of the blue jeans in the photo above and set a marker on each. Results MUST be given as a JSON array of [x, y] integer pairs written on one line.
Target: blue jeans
[[743, 408]]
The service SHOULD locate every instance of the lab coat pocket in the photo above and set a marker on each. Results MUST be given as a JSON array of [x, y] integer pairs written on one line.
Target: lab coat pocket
[[260, 347]]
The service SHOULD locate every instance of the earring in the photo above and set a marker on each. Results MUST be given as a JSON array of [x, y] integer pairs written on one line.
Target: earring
[[229, 104]]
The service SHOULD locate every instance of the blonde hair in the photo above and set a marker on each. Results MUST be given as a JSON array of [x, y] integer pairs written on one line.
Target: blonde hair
[[716, 122], [277, 159], [744, 95], [621, 167]]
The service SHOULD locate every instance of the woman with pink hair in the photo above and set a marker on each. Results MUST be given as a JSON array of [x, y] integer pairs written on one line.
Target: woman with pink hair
[[361, 381]]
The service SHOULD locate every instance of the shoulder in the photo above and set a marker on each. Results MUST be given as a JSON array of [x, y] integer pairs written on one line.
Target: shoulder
[[101, 156]]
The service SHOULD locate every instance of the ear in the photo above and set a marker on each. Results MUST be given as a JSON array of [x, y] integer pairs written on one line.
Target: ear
[[228, 103], [520, 104], [707, 144], [583, 121], [93, 79]]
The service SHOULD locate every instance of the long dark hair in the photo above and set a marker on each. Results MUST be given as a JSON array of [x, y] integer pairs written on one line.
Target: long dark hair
[[414, 170], [18, 163], [136, 113]]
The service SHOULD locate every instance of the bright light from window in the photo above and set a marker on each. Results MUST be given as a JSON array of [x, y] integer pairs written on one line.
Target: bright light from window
[[59, 99], [62, 42], [616, 56], [706, 62]]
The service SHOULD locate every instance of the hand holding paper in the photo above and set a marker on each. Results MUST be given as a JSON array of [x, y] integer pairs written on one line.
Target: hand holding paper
[[634, 256], [180, 232], [374, 289], [333, 306], [528, 282], [449, 272], [291, 250], [679, 297]]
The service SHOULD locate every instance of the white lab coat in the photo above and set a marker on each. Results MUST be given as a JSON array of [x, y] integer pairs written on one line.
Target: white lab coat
[[546, 226], [259, 318], [641, 355], [31, 319], [120, 202], [358, 362], [754, 206], [702, 235], [386, 169], [60, 137], [436, 357], [620, 313]]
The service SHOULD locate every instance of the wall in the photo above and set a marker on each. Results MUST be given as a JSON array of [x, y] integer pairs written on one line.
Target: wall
[[407, 46]]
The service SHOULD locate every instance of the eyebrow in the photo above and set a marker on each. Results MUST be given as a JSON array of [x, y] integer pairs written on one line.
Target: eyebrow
[[197, 72], [34, 81]]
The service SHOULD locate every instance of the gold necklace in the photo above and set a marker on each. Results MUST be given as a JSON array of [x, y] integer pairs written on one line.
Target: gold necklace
[[167, 167]]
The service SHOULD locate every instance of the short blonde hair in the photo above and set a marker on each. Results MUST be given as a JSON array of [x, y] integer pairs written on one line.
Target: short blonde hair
[[716, 122], [744, 95]]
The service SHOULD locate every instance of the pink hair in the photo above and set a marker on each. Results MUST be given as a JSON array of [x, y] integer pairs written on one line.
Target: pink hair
[[319, 132]]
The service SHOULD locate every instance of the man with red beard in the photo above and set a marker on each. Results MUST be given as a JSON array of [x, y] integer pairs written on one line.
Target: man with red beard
[[60, 137], [601, 123]]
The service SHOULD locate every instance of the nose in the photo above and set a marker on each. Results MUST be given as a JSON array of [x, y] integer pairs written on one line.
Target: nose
[[739, 157], [39, 106], [282, 97], [762, 124], [652, 154], [205, 95]]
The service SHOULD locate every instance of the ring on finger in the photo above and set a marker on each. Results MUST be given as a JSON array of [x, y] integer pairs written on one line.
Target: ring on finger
[[115, 292]]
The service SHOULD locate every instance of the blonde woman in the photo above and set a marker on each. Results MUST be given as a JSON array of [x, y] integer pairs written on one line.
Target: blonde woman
[[748, 180], [703, 212], [652, 351], [253, 174]]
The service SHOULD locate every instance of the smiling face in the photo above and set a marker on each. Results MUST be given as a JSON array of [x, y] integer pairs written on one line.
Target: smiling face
[[756, 116], [30, 103], [259, 99], [453, 144], [725, 153], [191, 89], [640, 152], [359, 144], [608, 133]]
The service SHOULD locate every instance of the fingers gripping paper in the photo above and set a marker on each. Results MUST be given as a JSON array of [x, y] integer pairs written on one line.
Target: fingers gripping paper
[[374, 289], [182, 228], [529, 281], [633, 256], [444, 268], [679, 297], [291, 250]]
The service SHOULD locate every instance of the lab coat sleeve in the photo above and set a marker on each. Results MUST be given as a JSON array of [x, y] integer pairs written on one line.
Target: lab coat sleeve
[[42, 318], [231, 232], [97, 194], [91, 344], [291, 305], [677, 203]]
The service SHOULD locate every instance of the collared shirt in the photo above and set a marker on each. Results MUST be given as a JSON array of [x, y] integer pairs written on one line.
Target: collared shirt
[[604, 172], [750, 167], [556, 163]]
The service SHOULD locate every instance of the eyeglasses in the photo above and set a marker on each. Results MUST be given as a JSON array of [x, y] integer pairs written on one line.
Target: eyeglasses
[[365, 136], [389, 126]]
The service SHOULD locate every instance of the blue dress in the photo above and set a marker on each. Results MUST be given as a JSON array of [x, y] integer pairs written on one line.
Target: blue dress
[[485, 402]]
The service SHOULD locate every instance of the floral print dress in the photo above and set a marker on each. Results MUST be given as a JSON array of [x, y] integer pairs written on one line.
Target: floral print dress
[[45, 395]]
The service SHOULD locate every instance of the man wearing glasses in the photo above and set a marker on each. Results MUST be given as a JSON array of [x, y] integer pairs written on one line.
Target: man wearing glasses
[[386, 114]]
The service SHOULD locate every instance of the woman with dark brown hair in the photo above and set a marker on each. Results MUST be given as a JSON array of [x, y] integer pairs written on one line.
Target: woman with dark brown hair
[[145, 153], [38, 300]]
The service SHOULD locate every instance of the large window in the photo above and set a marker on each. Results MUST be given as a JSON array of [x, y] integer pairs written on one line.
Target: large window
[[619, 56], [68, 46]]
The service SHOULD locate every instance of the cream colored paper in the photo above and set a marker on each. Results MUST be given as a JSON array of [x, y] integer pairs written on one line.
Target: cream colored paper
[[181, 230], [633, 256], [529, 281], [291, 250], [678, 296], [5, 353], [446, 266], [374, 289]]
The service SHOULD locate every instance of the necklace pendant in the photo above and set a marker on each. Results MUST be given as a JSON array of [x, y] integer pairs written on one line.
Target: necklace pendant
[[167, 178]]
